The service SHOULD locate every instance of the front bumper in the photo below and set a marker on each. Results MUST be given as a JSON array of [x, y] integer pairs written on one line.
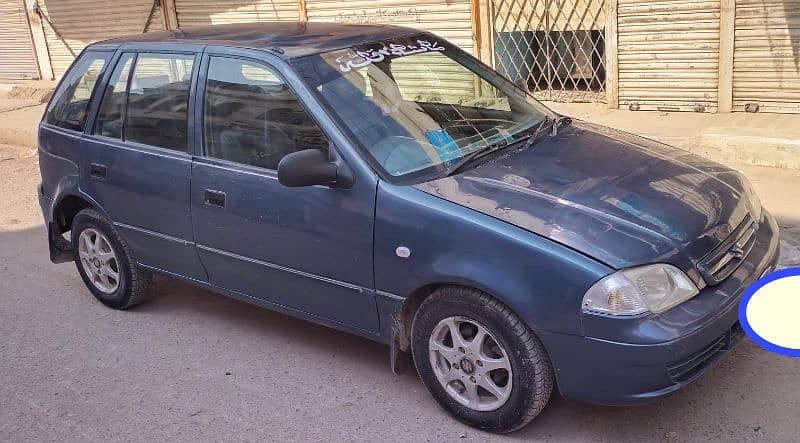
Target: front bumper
[[639, 360]]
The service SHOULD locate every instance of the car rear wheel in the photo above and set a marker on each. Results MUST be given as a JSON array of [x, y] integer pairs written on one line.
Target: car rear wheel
[[479, 360], [105, 263]]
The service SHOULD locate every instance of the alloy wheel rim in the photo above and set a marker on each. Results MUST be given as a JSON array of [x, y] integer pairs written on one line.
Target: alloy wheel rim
[[98, 260], [470, 364]]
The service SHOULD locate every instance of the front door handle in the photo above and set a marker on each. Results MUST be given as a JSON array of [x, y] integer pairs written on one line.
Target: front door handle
[[98, 171], [214, 198]]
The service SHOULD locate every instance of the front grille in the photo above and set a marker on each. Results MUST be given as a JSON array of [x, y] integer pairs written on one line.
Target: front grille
[[720, 263], [687, 368]]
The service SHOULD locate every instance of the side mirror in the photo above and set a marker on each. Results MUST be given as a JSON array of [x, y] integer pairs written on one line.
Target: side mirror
[[312, 167]]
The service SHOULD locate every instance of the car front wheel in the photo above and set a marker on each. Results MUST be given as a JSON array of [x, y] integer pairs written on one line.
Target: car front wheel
[[479, 360]]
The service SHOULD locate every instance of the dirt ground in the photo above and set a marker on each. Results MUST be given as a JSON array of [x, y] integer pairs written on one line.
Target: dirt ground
[[191, 365]]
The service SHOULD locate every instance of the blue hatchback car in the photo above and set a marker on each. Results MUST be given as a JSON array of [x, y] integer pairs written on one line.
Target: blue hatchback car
[[381, 181]]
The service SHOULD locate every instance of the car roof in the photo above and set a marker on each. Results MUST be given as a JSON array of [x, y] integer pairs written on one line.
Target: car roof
[[287, 39]]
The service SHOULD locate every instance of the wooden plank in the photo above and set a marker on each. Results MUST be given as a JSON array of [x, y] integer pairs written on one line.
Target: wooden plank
[[481, 30], [612, 58], [726, 42], [303, 11], [170, 16], [40, 45]]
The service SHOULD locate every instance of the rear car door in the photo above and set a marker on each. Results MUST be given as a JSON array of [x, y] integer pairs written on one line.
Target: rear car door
[[308, 249], [135, 157]]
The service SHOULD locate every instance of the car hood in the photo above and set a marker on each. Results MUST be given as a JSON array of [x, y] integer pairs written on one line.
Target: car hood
[[619, 198]]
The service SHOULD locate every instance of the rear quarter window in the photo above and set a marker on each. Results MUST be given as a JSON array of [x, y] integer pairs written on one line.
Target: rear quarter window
[[70, 103]]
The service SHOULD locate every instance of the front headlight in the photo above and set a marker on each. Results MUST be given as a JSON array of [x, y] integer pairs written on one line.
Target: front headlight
[[755, 202], [651, 288]]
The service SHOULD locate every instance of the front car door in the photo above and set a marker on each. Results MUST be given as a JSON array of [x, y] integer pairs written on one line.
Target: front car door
[[307, 249], [136, 163]]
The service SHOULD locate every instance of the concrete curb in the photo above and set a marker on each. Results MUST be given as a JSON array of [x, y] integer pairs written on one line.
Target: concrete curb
[[19, 125], [754, 150], [35, 91], [20, 110]]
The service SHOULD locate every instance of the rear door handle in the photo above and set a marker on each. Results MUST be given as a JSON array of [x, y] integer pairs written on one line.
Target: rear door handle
[[214, 198], [98, 171]]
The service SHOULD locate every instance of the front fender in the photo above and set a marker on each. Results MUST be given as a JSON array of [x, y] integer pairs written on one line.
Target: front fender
[[541, 280]]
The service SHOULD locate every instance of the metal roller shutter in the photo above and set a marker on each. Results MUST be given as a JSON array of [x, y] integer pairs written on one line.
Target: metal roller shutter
[[70, 25], [668, 54], [451, 20], [17, 57], [766, 70], [193, 13]]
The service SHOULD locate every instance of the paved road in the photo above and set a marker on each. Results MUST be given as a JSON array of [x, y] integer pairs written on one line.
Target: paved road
[[192, 365]]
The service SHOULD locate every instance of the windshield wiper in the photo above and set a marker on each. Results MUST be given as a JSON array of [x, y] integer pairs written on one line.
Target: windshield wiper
[[539, 130], [562, 119], [469, 158], [489, 149]]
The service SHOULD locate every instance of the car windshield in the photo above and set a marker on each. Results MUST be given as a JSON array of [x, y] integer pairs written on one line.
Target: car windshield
[[417, 105]]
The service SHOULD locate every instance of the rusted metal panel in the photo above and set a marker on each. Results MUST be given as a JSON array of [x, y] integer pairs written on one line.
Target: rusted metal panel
[[194, 13], [766, 57], [70, 25], [668, 54], [17, 55]]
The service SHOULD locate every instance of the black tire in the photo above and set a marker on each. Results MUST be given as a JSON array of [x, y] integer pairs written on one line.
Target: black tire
[[133, 285], [532, 373]]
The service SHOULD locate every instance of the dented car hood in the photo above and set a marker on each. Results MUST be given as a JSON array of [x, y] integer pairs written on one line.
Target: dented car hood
[[619, 198]]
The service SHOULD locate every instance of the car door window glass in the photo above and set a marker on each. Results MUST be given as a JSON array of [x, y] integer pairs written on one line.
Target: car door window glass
[[252, 117], [158, 100], [69, 108], [109, 119]]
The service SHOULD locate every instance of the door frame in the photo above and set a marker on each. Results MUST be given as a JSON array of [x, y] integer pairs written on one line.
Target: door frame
[[342, 144], [341, 148]]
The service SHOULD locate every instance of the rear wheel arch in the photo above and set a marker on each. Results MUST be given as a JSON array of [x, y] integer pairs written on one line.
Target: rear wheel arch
[[66, 209]]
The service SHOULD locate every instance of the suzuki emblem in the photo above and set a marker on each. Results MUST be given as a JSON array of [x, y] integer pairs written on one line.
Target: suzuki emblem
[[736, 251]]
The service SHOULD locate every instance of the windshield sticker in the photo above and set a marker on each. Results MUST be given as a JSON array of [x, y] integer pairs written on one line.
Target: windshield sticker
[[359, 59], [443, 143]]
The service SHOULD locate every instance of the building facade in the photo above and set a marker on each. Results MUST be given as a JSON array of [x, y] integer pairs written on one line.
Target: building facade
[[669, 55]]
